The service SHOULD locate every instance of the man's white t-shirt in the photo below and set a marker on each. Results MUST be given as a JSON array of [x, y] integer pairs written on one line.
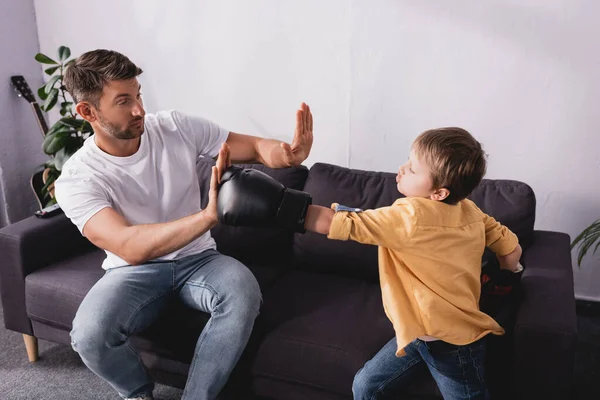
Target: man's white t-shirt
[[158, 183]]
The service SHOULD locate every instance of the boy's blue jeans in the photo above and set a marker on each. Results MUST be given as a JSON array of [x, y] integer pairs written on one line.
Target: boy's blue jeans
[[457, 370], [129, 299]]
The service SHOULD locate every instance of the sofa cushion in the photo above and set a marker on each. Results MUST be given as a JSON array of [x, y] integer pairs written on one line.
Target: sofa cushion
[[320, 330], [53, 294], [254, 245]]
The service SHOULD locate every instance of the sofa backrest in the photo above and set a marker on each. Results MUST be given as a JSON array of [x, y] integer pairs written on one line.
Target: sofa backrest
[[253, 245], [511, 202]]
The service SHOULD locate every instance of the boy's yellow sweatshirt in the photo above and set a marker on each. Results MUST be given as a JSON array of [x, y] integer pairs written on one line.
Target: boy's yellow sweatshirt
[[430, 265]]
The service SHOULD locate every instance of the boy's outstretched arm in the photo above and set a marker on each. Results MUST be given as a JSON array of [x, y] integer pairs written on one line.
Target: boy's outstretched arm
[[389, 227], [318, 219]]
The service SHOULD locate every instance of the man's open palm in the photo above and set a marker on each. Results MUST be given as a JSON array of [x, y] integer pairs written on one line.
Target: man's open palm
[[299, 150]]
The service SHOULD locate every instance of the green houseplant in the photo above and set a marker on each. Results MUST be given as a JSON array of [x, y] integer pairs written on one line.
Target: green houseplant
[[587, 239], [67, 134]]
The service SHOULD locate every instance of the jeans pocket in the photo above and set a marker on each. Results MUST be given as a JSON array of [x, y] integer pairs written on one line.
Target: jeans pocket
[[439, 348]]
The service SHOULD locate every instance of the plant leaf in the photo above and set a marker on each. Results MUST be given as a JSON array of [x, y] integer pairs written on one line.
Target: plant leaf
[[590, 230], [72, 122], [58, 127], [56, 141], [51, 70], [64, 154], [61, 158], [50, 181], [584, 248], [87, 128], [586, 239], [51, 82], [44, 59], [51, 100], [63, 53], [42, 93]]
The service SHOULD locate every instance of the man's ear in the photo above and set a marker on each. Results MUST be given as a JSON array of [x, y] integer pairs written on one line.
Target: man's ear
[[86, 110], [440, 194]]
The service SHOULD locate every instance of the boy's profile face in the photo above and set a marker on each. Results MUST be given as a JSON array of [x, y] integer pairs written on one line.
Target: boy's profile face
[[414, 177]]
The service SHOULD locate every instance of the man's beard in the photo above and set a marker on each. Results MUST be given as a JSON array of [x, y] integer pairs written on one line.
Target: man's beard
[[114, 131]]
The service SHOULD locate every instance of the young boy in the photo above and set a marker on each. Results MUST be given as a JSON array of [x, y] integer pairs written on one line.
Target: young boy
[[430, 248]]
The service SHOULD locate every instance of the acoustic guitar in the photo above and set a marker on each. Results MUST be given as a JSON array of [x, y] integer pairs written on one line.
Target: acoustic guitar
[[40, 176]]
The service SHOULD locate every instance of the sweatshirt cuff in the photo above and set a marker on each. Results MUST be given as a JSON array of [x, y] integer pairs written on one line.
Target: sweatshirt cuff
[[340, 225]]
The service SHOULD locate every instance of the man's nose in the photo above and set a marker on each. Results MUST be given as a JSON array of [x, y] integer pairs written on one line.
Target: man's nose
[[138, 110]]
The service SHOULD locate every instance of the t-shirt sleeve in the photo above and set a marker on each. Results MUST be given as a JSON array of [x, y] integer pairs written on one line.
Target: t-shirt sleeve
[[389, 227], [207, 135], [80, 198]]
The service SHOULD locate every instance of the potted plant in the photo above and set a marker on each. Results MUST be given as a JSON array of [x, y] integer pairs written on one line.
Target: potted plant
[[587, 239], [67, 135]]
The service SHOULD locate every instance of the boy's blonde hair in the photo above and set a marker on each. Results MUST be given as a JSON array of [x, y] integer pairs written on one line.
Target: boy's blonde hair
[[456, 160]]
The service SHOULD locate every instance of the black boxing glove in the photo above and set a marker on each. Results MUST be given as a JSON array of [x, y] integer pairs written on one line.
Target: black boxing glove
[[248, 197]]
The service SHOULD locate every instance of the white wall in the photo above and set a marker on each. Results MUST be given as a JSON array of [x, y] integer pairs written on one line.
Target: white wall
[[523, 76], [20, 137]]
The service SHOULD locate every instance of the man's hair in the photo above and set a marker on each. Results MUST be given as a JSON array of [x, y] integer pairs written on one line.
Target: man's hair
[[86, 76], [456, 160]]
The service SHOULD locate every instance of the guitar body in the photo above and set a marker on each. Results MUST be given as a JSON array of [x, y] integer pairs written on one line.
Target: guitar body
[[38, 179]]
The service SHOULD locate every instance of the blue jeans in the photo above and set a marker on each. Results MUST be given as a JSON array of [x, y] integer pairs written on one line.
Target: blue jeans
[[129, 299], [457, 370]]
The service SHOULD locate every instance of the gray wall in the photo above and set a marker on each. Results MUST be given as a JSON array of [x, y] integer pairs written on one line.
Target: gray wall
[[20, 137]]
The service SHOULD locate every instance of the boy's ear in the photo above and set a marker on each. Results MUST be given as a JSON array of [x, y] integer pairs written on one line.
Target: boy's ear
[[440, 194]]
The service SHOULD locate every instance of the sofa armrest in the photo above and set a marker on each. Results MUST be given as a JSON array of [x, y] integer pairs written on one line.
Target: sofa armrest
[[29, 245], [545, 331]]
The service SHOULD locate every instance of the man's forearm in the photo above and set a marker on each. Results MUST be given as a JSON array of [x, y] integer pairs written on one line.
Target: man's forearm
[[270, 153], [149, 241], [318, 219]]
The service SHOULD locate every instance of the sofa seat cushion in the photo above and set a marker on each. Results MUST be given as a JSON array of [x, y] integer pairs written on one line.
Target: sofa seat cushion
[[320, 330], [53, 294]]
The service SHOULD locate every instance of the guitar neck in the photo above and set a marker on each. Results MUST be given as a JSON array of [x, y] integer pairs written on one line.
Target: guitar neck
[[40, 118]]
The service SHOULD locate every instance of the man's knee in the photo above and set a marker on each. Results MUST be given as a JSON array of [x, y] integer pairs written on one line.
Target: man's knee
[[245, 294], [90, 338]]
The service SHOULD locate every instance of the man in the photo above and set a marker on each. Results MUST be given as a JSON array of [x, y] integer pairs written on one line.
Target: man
[[132, 190]]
